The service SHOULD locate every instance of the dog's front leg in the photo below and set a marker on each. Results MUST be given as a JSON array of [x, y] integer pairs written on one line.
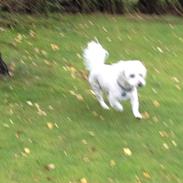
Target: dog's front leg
[[135, 104]]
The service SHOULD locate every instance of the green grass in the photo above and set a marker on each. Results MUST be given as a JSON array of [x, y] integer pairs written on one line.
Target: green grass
[[85, 139]]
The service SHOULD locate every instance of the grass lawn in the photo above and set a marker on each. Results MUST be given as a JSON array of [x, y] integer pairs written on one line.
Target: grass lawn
[[52, 129]]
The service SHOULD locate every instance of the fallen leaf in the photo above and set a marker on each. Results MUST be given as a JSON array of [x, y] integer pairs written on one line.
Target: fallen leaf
[[83, 180], [156, 103], [43, 52], [79, 97], [91, 133], [171, 26], [84, 141], [26, 150], [108, 39], [163, 134], [155, 119], [112, 163], [127, 151], [175, 79], [86, 159], [146, 175], [50, 167], [32, 33], [50, 125], [29, 103], [104, 29], [79, 55], [174, 143], [6, 125], [39, 110], [94, 113], [178, 87], [54, 47], [159, 49], [37, 50], [145, 115], [18, 38], [165, 146]]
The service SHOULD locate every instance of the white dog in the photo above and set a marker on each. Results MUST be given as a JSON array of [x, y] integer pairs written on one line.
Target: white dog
[[119, 81]]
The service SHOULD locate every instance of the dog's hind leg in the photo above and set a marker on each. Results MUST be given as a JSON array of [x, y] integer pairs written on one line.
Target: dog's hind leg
[[98, 93]]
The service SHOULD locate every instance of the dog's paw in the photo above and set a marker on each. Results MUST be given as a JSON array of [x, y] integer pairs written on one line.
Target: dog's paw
[[138, 116], [105, 106]]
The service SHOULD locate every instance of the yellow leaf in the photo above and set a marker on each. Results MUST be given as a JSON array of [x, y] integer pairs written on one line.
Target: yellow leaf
[[165, 146], [155, 119], [84, 141], [18, 38], [104, 29], [83, 180], [79, 97], [108, 39], [91, 133], [55, 47], [127, 151], [146, 175], [72, 92], [32, 33], [146, 115], [178, 87], [50, 125], [112, 163], [174, 143], [163, 134], [86, 159], [50, 166], [156, 103], [26, 150], [159, 49], [95, 113], [175, 79], [29, 103]]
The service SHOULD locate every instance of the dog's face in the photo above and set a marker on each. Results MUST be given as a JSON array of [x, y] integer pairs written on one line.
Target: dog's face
[[135, 74]]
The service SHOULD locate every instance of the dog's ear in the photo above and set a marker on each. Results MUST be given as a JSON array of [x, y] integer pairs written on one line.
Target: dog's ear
[[121, 77], [122, 74]]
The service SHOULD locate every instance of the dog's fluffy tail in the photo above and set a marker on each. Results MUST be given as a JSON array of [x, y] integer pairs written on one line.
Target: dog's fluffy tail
[[94, 55]]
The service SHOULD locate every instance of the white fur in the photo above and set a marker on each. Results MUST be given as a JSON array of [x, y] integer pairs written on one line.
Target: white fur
[[119, 81]]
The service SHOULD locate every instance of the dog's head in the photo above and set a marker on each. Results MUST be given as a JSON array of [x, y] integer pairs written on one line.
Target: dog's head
[[134, 74]]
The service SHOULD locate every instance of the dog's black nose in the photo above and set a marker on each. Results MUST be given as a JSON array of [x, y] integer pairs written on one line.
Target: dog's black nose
[[140, 84]]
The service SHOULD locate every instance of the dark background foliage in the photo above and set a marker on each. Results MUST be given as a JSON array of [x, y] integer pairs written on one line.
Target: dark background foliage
[[89, 6]]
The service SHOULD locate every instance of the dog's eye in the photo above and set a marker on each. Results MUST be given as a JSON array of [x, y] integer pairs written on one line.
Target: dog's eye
[[141, 75], [132, 75]]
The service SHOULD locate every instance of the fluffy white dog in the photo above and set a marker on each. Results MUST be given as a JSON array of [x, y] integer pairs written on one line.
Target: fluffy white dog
[[119, 81]]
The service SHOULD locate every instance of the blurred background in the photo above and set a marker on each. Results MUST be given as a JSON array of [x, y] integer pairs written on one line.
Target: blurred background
[[88, 6], [52, 129]]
